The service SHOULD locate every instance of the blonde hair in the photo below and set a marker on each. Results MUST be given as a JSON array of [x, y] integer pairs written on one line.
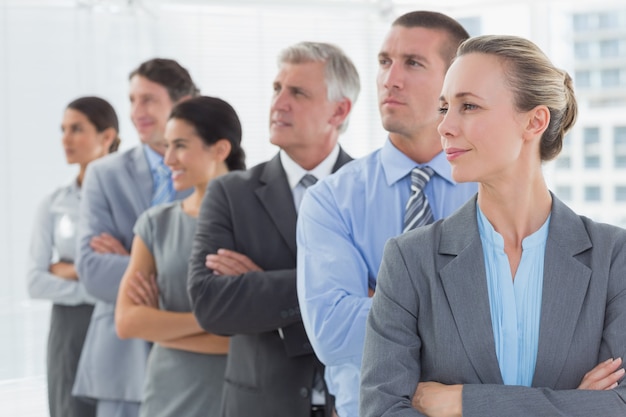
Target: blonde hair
[[534, 81]]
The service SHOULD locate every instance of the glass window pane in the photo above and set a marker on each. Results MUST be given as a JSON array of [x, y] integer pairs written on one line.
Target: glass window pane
[[582, 79], [581, 22], [593, 193], [581, 50], [610, 77], [620, 193], [563, 162], [608, 20], [564, 192]]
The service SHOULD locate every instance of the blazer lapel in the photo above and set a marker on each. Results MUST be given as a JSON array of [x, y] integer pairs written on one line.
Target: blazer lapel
[[276, 197], [342, 159], [140, 176], [565, 283], [463, 279]]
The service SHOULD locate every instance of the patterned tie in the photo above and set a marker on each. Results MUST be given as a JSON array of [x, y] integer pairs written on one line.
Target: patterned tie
[[417, 212], [163, 186], [308, 180]]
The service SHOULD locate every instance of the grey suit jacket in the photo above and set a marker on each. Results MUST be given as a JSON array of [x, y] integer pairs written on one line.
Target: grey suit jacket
[[430, 321], [116, 190], [253, 213]]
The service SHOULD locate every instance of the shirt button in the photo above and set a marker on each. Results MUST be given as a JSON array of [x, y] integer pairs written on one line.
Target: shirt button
[[304, 393]]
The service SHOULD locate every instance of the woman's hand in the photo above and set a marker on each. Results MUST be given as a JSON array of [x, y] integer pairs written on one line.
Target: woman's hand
[[64, 270], [603, 376], [438, 400], [143, 290]]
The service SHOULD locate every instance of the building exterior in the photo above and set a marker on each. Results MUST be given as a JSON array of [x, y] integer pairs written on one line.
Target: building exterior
[[590, 173]]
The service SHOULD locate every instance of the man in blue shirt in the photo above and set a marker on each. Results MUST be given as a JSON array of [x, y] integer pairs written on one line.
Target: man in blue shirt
[[346, 219], [116, 190]]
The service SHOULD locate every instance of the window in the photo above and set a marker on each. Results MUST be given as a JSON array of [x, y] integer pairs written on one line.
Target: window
[[608, 20], [564, 160], [581, 50], [619, 146], [591, 140], [582, 79], [610, 77], [609, 48], [564, 192], [620, 194], [581, 22], [593, 193]]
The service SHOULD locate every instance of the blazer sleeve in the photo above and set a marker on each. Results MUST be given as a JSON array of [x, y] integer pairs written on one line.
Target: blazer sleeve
[[391, 361], [101, 274], [254, 302], [390, 370], [41, 283]]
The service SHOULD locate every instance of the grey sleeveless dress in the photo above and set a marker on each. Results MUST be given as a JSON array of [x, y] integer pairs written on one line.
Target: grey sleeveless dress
[[178, 383]]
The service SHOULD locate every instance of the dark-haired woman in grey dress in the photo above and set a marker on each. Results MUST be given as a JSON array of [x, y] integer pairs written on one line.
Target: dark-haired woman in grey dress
[[186, 365], [89, 128]]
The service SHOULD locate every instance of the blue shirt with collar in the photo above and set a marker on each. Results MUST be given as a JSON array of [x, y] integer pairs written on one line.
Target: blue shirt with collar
[[343, 225], [155, 159]]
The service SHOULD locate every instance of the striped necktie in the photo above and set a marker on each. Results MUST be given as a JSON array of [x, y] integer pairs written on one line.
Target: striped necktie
[[163, 186], [308, 180], [417, 212]]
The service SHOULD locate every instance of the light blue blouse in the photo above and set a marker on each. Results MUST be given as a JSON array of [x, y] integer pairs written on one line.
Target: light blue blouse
[[515, 304]]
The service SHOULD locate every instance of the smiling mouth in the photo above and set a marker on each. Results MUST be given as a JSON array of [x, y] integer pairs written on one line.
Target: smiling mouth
[[280, 123], [454, 153]]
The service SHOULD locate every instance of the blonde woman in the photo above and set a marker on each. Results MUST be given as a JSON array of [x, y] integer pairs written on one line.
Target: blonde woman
[[514, 305]]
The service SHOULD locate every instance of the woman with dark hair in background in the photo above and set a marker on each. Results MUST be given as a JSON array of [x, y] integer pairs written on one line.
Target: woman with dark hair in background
[[186, 365], [90, 130]]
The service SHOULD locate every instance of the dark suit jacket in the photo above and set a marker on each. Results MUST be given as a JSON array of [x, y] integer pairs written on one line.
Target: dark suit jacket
[[430, 321], [253, 213]]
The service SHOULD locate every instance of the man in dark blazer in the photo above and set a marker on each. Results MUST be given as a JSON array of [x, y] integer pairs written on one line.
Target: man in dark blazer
[[116, 190], [242, 273]]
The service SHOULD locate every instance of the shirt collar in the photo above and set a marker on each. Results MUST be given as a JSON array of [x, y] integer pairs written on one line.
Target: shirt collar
[[154, 158], [295, 172], [397, 165]]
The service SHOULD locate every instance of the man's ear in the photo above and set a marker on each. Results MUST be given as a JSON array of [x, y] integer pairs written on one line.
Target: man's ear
[[342, 110]]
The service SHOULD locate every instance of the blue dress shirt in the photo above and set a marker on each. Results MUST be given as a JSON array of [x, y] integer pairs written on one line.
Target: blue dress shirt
[[343, 225], [155, 160], [515, 304]]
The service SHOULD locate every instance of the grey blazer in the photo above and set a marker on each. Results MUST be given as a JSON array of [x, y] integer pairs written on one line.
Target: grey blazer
[[253, 213], [116, 190], [430, 321]]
